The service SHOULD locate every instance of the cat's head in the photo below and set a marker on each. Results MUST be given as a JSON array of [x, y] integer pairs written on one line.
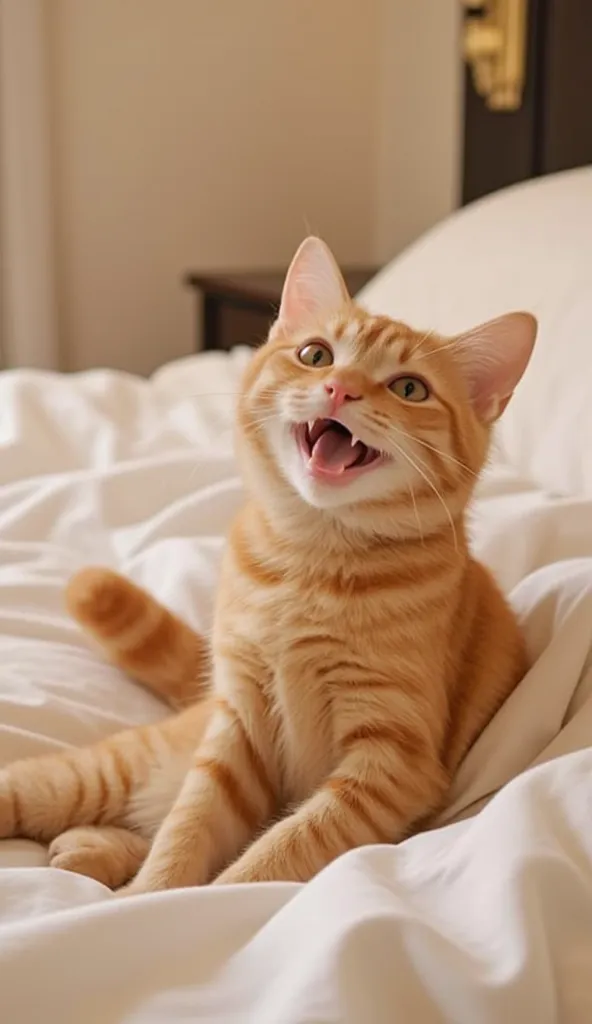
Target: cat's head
[[358, 413]]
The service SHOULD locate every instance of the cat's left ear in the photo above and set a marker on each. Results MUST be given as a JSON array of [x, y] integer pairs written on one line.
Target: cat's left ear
[[314, 287], [493, 358]]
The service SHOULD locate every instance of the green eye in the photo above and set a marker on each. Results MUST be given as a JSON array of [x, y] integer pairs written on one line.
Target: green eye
[[411, 389], [316, 353]]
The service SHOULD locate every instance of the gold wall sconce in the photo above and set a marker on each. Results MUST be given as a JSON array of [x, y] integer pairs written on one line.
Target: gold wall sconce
[[494, 46]]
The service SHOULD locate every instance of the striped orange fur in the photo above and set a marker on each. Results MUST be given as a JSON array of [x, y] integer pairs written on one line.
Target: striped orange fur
[[145, 639], [358, 649]]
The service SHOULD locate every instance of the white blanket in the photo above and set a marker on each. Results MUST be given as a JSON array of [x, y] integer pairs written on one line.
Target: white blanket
[[485, 920]]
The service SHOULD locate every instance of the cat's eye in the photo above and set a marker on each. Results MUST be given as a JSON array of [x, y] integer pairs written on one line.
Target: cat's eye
[[411, 389], [315, 353]]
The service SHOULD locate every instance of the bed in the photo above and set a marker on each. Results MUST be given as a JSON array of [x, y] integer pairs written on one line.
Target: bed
[[485, 918]]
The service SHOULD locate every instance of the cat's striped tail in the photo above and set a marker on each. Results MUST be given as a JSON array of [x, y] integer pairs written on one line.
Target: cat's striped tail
[[140, 636]]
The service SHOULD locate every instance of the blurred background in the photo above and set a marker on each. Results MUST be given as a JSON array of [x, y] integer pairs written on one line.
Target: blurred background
[[160, 160]]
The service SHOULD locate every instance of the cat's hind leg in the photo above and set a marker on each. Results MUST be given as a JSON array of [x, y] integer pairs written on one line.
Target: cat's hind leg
[[42, 797], [106, 853]]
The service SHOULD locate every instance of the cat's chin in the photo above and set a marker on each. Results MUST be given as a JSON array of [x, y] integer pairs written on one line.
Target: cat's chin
[[322, 495]]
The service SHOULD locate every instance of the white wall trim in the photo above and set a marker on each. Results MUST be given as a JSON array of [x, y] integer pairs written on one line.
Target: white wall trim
[[29, 321]]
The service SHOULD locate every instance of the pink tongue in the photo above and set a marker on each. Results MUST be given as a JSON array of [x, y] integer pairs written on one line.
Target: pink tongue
[[333, 451]]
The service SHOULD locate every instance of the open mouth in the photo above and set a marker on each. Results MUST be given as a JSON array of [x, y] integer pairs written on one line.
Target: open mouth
[[331, 451]]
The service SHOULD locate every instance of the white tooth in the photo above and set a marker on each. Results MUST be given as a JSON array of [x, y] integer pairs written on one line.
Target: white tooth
[[354, 441], [311, 424]]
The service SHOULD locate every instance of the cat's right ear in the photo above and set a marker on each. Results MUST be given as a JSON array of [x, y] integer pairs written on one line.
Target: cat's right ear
[[314, 288], [493, 358]]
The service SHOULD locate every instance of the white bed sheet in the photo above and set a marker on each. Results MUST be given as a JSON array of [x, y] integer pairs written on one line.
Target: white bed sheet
[[484, 920]]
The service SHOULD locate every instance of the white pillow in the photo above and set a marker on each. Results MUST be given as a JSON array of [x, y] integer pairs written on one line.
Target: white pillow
[[526, 247]]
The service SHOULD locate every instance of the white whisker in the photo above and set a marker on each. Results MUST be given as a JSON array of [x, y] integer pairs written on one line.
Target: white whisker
[[439, 348], [421, 341], [260, 421], [413, 463], [432, 448], [416, 513], [215, 394]]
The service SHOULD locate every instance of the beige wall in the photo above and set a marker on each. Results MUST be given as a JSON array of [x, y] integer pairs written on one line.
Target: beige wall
[[419, 123], [215, 133]]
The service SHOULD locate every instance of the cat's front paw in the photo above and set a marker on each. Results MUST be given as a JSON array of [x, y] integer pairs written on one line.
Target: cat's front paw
[[130, 890], [139, 887], [142, 884], [238, 874]]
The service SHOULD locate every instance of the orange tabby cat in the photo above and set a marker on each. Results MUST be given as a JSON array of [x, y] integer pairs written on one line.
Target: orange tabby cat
[[358, 650]]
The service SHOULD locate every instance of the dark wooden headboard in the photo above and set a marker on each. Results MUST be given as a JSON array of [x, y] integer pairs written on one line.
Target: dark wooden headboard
[[552, 129]]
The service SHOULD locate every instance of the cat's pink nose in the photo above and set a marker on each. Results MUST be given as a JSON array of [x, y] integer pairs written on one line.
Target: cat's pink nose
[[341, 393]]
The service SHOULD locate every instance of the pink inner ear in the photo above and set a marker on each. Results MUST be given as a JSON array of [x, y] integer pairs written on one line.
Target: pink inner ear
[[314, 287], [493, 358]]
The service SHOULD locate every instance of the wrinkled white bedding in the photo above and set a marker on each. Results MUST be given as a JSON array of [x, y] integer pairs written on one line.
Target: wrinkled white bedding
[[485, 920]]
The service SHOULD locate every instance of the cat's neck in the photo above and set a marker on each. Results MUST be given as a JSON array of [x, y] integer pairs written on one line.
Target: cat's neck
[[302, 528]]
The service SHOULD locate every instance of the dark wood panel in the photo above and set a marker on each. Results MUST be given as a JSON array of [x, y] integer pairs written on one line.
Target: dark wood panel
[[566, 87], [240, 327]]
